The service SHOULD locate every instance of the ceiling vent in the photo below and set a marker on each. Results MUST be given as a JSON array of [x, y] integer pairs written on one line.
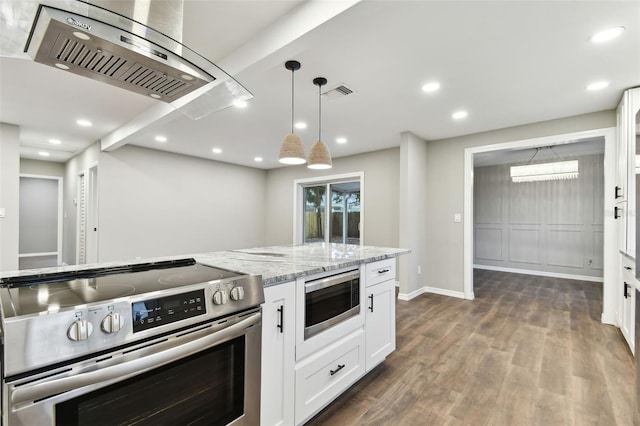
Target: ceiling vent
[[338, 92]]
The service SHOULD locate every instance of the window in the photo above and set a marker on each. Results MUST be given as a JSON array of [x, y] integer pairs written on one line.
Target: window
[[330, 209]]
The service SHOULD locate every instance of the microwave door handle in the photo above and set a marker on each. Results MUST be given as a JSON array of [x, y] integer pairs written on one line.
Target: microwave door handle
[[38, 391]]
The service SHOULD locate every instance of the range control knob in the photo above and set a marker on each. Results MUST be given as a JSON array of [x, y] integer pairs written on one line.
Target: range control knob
[[112, 323], [80, 330], [220, 297], [237, 293]]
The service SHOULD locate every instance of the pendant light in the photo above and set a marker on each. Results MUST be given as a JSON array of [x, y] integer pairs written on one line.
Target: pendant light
[[292, 148], [319, 156]]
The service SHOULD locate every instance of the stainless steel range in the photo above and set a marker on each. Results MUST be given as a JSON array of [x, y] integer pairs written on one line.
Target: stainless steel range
[[172, 342]]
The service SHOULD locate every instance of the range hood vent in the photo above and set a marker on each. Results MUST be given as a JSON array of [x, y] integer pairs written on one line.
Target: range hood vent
[[124, 53]]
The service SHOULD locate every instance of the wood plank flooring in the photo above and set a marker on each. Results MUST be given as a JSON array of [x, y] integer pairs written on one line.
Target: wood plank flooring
[[527, 351]]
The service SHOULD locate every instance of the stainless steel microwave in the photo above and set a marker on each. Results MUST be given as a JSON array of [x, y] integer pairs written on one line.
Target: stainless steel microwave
[[330, 300]]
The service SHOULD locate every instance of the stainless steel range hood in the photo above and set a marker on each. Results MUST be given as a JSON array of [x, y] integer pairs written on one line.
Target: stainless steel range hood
[[103, 45]]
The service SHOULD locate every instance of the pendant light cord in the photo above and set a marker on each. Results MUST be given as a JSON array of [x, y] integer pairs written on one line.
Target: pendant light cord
[[292, 97], [319, 112]]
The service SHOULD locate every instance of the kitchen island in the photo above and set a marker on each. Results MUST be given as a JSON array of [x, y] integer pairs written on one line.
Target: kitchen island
[[327, 319]]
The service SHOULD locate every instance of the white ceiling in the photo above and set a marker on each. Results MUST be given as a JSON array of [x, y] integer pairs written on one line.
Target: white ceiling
[[506, 63]]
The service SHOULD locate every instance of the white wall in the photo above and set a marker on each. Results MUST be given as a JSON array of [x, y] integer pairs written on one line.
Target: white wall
[[154, 203], [445, 189], [9, 196], [381, 183], [552, 227], [42, 168], [413, 207]]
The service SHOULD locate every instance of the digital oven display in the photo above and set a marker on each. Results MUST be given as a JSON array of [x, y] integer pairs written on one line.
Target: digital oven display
[[165, 310]]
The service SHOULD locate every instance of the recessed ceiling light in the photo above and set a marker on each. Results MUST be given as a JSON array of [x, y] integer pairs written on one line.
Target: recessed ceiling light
[[459, 115], [240, 104], [341, 140], [257, 159], [187, 77], [160, 138], [598, 85], [55, 141], [431, 87], [81, 36], [43, 153], [300, 125], [155, 96], [84, 123], [606, 35], [62, 66], [217, 151]]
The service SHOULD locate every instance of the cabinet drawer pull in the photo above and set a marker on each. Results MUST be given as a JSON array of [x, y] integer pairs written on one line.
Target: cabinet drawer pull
[[340, 367], [618, 192], [628, 268], [371, 306], [383, 271], [281, 323], [626, 290]]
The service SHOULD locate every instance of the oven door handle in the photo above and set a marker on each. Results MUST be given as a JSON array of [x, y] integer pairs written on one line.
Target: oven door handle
[[38, 391]]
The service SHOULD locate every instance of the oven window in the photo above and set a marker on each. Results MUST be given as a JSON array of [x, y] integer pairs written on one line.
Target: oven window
[[326, 303], [203, 389]]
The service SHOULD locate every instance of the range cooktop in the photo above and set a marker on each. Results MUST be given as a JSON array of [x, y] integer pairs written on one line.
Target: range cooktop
[[43, 293]]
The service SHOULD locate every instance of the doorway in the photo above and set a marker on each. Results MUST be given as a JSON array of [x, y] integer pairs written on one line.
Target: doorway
[[609, 242], [40, 241], [87, 216]]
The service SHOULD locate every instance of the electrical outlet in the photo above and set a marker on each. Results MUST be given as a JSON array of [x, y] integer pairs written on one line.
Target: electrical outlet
[[3, 212], [419, 269], [457, 218]]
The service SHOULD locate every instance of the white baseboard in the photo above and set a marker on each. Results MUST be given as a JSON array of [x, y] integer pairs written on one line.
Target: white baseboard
[[540, 273], [441, 291]]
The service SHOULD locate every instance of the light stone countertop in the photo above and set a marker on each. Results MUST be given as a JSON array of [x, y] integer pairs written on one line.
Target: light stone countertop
[[276, 264]]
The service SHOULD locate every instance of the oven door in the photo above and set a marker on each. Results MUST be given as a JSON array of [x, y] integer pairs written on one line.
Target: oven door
[[209, 375], [329, 301]]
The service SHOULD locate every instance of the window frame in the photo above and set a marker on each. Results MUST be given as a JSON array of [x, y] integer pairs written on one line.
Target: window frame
[[298, 202]]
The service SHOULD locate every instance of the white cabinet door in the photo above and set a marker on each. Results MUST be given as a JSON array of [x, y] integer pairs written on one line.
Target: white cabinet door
[[380, 322], [627, 292], [278, 352], [622, 150]]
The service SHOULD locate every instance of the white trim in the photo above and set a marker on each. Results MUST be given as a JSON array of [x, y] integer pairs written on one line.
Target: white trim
[[60, 180], [610, 252], [52, 253], [540, 273], [435, 290], [324, 180]]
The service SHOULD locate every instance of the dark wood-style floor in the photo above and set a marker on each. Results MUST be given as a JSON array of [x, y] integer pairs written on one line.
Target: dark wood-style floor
[[527, 351]]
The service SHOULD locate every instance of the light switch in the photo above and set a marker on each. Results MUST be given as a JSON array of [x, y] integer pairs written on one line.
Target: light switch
[[3, 212], [457, 218]]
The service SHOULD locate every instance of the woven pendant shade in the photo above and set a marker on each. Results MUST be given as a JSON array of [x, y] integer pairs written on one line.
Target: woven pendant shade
[[292, 150], [319, 156], [292, 147]]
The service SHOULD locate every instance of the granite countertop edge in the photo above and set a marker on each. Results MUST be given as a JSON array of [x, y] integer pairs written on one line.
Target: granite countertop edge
[[276, 264]]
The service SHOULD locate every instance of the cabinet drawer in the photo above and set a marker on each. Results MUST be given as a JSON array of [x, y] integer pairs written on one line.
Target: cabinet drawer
[[382, 270], [325, 375], [629, 271]]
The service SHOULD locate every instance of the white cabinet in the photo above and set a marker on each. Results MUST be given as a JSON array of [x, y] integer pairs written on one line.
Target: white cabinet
[[278, 352], [321, 377], [380, 320], [627, 289], [625, 190]]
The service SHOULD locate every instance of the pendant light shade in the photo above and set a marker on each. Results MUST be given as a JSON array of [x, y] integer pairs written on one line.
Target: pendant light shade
[[319, 156], [292, 148]]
